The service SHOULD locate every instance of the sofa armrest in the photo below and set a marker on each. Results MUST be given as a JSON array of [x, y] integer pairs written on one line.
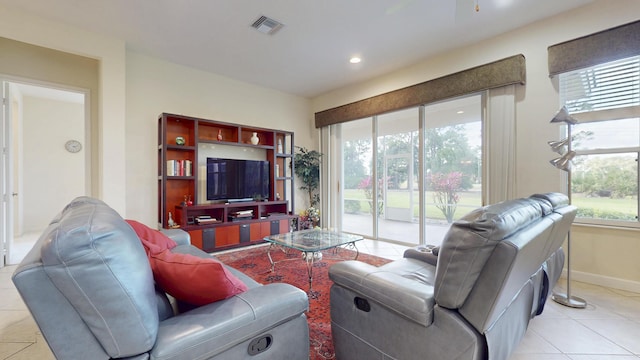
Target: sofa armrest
[[403, 286], [208, 330], [180, 236], [426, 253]]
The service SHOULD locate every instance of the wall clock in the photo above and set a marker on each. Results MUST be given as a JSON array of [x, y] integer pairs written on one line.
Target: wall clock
[[73, 146]]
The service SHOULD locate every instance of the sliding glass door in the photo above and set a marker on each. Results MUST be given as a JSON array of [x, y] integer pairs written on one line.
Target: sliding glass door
[[452, 164], [387, 160], [358, 192], [397, 169]]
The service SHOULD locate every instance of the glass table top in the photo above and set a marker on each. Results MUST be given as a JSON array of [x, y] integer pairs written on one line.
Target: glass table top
[[313, 240]]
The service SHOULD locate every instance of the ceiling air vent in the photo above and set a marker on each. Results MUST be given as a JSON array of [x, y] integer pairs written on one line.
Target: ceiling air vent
[[267, 25]]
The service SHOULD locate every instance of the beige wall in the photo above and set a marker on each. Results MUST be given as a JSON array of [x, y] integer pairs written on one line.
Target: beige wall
[[109, 157], [603, 255], [53, 176]]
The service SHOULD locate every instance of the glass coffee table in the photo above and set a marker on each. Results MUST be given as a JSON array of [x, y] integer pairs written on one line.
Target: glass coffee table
[[311, 242]]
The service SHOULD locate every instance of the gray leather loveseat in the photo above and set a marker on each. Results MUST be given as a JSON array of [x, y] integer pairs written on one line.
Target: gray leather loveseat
[[494, 272], [90, 288]]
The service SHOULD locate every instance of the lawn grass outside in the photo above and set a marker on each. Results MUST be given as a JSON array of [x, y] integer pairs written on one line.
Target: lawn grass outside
[[608, 208], [626, 205], [469, 200]]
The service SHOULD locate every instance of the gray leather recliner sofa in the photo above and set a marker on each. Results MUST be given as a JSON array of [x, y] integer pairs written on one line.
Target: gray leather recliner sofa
[[494, 272], [89, 286]]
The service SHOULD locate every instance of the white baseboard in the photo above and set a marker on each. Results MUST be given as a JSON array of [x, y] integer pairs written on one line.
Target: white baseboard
[[607, 281]]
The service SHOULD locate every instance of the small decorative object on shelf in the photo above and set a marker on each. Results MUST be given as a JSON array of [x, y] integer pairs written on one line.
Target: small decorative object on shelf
[[277, 167], [277, 196], [172, 224], [254, 139], [187, 201], [279, 146], [179, 140], [219, 134]]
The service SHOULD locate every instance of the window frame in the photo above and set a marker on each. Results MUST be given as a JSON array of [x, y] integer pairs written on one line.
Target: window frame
[[607, 115]]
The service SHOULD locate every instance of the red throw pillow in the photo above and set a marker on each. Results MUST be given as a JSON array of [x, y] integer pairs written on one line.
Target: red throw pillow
[[197, 281], [153, 240]]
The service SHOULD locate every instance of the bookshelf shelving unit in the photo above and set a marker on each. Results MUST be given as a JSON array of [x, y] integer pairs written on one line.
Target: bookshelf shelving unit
[[179, 139]]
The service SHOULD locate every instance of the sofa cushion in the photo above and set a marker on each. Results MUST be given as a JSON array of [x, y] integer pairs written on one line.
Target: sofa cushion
[[152, 240], [192, 279]]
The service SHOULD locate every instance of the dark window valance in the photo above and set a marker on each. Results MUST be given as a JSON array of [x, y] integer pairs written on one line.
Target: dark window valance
[[503, 72], [604, 46]]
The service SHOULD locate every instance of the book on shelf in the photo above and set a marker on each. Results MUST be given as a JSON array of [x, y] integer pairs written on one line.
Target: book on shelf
[[171, 168], [188, 168], [179, 168], [209, 221], [206, 219], [241, 215]]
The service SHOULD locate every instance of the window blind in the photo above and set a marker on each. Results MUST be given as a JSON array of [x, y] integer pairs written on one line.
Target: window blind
[[608, 86]]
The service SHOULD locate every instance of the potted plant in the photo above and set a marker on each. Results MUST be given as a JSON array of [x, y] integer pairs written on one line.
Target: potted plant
[[308, 170]]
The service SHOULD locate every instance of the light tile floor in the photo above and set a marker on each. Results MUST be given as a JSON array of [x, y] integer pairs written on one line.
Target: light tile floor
[[608, 329]]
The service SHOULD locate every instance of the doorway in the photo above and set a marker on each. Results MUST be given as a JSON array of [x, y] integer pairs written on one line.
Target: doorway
[[45, 131]]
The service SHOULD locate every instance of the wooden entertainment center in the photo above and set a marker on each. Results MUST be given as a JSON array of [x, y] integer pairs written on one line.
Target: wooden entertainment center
[[183, 143]]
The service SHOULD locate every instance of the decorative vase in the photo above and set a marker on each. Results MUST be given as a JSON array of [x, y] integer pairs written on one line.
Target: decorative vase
[[279, 146], [170, 221], [254, 139], [219, 134]]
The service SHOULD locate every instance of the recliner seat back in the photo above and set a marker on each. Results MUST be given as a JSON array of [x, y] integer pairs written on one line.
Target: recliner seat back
[[101, 280], [489, 266], [471, 241]]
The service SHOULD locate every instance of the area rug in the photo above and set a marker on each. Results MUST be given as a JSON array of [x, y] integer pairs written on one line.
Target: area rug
[[290, 268]]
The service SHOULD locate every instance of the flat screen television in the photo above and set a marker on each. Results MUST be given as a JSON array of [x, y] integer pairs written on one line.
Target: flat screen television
[[234, 179]]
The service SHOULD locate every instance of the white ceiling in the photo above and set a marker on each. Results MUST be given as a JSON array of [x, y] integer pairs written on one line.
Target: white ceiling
[[309, 55]]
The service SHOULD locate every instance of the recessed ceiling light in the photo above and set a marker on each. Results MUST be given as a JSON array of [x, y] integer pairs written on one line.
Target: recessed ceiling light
[[460, 112], [355, 60]]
